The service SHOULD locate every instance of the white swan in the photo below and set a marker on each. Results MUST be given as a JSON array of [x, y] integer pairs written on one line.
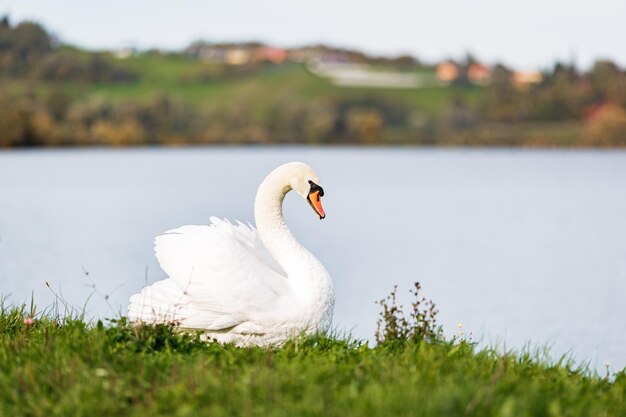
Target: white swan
[[239, 284]]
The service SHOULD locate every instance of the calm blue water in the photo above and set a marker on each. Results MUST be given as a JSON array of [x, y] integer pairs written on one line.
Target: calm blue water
[[518, 246]]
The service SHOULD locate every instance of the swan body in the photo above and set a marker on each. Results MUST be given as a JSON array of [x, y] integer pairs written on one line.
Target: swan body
[[239, 284]]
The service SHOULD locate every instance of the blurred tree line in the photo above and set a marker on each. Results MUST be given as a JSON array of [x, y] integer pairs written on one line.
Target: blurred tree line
[[27, 50], [567, 108], [55, 120]]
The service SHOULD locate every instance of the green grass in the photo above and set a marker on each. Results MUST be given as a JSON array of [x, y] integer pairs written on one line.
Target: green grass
[[66, 367]]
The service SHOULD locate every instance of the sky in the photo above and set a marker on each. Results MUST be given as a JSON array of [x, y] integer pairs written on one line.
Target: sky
[[532, 34]]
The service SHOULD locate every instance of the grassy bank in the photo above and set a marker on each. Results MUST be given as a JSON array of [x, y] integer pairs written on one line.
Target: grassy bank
[[61, 367]]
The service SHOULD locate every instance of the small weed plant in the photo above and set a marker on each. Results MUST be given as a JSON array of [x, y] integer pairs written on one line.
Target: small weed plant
[[394, 327]]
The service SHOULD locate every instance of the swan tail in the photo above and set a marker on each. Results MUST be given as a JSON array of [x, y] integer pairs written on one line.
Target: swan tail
[[165, 302], [161, 302]]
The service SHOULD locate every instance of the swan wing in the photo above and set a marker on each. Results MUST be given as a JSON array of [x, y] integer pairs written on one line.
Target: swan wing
[[220, 276]]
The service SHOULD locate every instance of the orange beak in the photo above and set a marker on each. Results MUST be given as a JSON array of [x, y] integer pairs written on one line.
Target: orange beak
[[315, 201]]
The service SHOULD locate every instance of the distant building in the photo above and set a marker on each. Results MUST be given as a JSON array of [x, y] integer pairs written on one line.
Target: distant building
[[207, 53], [479, 74], [123, 53], [232, 54], [301, 55], [523, 79], [321, 54], [270, 54], [237, 56], [448, 72]]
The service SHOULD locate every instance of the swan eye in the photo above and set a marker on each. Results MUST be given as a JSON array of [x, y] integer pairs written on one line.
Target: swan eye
[[316, 188]]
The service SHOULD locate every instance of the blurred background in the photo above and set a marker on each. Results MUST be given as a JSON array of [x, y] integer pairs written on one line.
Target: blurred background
[[417, 116], [447, 74]]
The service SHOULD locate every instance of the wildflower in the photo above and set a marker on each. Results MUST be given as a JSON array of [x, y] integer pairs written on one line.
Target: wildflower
[[28, 321]]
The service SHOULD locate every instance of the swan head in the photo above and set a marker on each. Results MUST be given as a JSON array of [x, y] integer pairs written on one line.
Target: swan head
[[304, 181]]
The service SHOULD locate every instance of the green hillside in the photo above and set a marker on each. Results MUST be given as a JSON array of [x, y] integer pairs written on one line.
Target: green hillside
[[188, 79]]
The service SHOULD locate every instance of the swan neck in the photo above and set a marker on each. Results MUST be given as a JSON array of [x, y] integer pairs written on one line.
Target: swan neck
[[307, 276], [270, 223]]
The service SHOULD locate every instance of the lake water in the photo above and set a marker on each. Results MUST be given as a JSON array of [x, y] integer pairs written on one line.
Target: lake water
[[519, 246]]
